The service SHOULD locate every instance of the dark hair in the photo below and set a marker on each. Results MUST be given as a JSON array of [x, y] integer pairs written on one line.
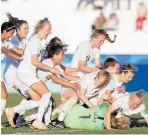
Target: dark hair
[[109, 62], [7, 26], [128, 68], [54, 48], [15, 21], [102, 31]]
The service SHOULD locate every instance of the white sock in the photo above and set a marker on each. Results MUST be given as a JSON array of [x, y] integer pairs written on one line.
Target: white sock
[[32, 117], [45, 100], [22, 112], [66, 108], [3, 104], [48, 114], [25, 105], [57, 110]]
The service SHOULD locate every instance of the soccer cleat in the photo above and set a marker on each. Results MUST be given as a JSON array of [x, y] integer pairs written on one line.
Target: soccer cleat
[[29, 122], [51, 125], [20, 121], [55, 116], [59, 124]]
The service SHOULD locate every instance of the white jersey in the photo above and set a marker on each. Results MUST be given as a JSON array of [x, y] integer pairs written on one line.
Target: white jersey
[[84, 52], [33, 47], [122, 104], [87, 83], [112, 86], [44, 74], [11, 64]]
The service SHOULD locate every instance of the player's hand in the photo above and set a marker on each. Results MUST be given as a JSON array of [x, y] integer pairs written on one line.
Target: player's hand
[[121, 89], [75, 85], [93, 108], [54, 70]]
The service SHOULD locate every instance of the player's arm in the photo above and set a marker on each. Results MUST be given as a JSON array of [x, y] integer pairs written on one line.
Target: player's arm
[[107, 120], [17, 50], [10, 53], [59, 81], [69, 77], [37, 63], [84, 98], [70, 70], [97, 62], [83, 67]]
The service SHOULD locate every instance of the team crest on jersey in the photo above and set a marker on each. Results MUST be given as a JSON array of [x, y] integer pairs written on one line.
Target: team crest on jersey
[[120, 110], [87, 58]]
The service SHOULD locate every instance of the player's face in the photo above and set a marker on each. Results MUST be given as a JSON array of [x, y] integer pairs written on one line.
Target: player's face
[[46, 30], [99, 40], [8, 34], [23, 30], [114, 69], [135, 103], [59, 57], [128, 76]]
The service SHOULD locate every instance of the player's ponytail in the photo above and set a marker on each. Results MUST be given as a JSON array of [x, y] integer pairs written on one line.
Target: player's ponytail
[[15, 21], [104, 74], [102, 31]]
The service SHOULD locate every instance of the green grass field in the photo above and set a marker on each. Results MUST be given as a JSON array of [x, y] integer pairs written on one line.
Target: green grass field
[[14, 99]]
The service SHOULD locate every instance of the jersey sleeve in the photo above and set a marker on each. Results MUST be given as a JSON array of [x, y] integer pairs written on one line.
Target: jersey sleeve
[[96, 52], [60, 69], [117, 104], [35, 46], [143, 111], [82, 51], [84, 82]]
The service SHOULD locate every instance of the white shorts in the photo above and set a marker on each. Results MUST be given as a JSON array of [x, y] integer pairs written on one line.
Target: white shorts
[[27, 78], [9, 77], [22, 88]]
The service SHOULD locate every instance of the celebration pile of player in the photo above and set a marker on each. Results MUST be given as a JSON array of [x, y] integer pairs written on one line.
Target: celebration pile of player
[[91, 98]]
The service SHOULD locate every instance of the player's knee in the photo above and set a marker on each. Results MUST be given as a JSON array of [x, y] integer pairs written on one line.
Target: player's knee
[[4, 95], [76, 98], [47, 95]]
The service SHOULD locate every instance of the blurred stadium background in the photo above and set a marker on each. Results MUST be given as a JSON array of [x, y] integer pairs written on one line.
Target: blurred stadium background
[[74, 26]]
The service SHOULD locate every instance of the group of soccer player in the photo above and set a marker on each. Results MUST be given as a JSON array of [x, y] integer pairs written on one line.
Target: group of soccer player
[[91, 98]]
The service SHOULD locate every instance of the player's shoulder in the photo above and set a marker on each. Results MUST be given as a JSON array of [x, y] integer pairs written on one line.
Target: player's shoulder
[[47, 62]]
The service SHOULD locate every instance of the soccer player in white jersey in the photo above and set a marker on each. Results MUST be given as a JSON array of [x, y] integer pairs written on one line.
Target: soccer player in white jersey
[[115, 89], [55, 55], [89, 50], [7, 31], [130, 104], [27, 73], [20, 41], [91, 84]]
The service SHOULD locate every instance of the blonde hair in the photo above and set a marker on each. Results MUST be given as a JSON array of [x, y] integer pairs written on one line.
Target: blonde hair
[[120, 123], [41, 24], [138, 94], [103, 32], [105, 74]]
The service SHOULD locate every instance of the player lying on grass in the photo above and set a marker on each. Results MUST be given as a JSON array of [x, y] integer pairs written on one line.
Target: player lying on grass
[[100, 80], [83, 118], [130, 104]]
